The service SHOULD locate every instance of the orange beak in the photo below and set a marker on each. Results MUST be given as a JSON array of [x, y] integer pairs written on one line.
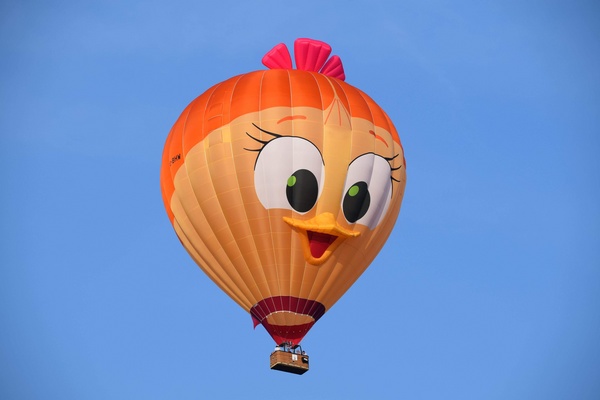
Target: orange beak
[[320, 236]]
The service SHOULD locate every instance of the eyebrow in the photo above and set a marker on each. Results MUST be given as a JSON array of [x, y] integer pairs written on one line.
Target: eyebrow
[[291, 117], [378, 137]]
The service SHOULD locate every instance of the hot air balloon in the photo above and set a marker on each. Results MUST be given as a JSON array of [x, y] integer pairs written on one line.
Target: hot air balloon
[[283, 185]]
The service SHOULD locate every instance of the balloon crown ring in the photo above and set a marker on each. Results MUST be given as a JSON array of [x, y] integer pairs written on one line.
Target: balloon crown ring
[[309, 54]]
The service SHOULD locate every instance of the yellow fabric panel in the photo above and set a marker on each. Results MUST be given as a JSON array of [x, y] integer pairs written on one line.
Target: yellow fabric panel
[[202, 215], [225, 284]]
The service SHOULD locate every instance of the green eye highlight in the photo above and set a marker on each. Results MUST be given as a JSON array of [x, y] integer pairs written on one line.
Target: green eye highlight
[[353, 191], [302, 190]]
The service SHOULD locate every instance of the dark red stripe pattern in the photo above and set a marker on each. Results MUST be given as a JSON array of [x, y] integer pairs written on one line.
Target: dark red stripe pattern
[[292, 334]]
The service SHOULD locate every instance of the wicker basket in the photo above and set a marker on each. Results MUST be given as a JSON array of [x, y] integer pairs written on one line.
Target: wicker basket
[[289, 361]]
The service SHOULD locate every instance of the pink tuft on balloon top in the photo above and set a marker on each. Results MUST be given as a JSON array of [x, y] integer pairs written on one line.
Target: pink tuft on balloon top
[[309, 54]]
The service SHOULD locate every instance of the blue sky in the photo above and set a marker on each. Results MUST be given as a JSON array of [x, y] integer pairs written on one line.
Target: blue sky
[[488, 288]]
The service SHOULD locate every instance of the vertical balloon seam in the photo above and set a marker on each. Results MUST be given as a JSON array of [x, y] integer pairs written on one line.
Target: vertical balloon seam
[[307, 284], [290, 288], [232, 273], [290, 275], [372, 119], [277, 289], [269, 217], [377, 238], [327, 294], [196, 257], [206, 254], [208, 265], [323, 82], [258, 255], [353, 274], [305, 265], [295, 290], [317, 291], [169, 196], [390, 128], [175, 203], [249, 271], [289, 319], [226, 121], [320, 80], [350, 280], [346, 284], [257, 76]]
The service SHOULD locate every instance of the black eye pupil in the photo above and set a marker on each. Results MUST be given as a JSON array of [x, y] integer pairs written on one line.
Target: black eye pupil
[[302, 190], [356, 201]]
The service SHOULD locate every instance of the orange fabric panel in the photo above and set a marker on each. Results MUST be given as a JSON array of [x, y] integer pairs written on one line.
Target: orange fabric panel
[[260, 90], [275, 90], [204, 110], [172, 159], [310, 90], [203, 221], [195, 247], [245, 96]]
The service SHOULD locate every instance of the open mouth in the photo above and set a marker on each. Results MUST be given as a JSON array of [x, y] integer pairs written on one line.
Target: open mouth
[[319, 242], [320, 236]]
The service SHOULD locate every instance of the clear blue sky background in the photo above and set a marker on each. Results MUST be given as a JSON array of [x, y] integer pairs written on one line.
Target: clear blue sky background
[[489, 286]]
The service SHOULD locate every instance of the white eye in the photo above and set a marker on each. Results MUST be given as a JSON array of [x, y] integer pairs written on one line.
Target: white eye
[[288, 174], [368, 190]]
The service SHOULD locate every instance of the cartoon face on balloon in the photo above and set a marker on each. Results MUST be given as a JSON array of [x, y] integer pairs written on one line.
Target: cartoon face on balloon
[[283, 185]]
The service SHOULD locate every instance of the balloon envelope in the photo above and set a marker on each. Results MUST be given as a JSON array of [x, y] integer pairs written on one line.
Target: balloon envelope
[[283, 185]]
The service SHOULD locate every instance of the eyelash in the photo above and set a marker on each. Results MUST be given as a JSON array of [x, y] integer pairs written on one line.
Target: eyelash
[[389, 160], [276, 135], [262, 142]]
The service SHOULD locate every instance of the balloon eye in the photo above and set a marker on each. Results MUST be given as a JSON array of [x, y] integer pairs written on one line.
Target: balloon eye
[[289, 174], [367, 190], [302, 190], [356, 202]]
